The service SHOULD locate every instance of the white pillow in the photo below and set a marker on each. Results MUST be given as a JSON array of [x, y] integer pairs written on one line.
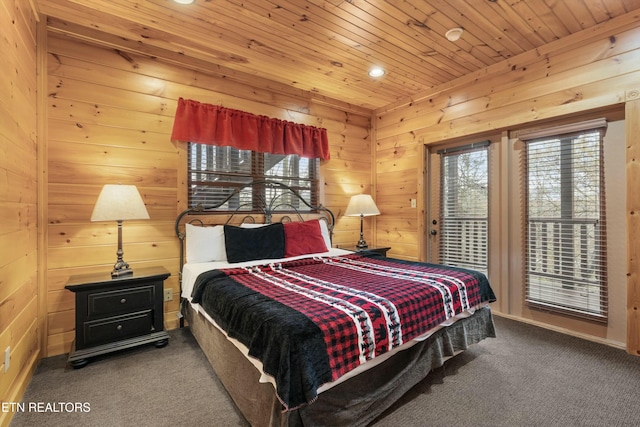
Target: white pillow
[[324, 229], [251, 225], [205, 244]]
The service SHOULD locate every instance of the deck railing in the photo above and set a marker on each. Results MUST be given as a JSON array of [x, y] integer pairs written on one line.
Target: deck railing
[[565, 265], [464, 242]]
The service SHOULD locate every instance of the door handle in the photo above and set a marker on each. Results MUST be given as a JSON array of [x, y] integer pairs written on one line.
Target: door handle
[[434, 232]]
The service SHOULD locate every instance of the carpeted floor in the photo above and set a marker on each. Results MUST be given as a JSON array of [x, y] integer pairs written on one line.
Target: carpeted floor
[[148, 386], [528, 376]]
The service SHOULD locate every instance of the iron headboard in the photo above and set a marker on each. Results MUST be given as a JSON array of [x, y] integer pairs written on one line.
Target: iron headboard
[[267, 208]]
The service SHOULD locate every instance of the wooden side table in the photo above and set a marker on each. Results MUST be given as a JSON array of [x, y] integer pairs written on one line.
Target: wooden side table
[[119, 313], [382, 250]]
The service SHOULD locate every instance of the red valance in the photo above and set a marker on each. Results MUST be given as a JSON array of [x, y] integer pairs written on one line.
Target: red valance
[[215, 125]]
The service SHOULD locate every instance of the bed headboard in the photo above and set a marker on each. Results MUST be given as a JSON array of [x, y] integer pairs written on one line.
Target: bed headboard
[[279, 206], [268, 208]]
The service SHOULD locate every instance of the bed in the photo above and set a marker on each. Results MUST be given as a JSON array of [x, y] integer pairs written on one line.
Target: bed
[[301, 333]]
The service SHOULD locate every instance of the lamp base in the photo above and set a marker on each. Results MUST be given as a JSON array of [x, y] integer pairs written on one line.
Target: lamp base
[[120, 268], [362, 244], [122, 272]]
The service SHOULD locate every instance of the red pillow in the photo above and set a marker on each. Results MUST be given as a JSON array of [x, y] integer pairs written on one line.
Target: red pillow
[[302, 238]]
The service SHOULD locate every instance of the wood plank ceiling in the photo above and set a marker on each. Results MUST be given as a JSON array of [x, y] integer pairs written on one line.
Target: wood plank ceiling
[[326, 47]]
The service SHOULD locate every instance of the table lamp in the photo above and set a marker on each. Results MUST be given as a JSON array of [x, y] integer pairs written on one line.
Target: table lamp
[[361, 205], [118, 202]]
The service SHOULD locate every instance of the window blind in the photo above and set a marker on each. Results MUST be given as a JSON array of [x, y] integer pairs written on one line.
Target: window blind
[[464, 207], [215, 172], [566, 233]]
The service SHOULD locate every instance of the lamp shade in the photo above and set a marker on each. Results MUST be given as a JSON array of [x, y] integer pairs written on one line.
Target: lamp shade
[[118, 202], [361, 204]]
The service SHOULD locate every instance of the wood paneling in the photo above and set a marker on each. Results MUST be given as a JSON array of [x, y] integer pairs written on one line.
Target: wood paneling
[[18, 199], [111, 90], [502, 99], [595, 72], [109, 110], [110, 117], [325, 48], [633, 221]]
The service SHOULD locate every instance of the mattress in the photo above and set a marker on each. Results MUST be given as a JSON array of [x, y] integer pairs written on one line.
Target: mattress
[[192, 271]]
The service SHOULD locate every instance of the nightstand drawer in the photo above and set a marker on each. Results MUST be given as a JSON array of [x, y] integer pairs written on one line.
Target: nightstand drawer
[[118, 301], [117, 313], [117, 328]]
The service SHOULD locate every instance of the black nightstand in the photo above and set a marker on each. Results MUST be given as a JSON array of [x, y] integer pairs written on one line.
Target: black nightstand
[[115, 314], [382, 251]]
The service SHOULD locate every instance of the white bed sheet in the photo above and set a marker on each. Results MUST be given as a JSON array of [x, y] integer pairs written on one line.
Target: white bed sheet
[[190, 273]]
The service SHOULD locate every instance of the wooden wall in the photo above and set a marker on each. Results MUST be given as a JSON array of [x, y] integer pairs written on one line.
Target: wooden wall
[[18, 199], [105, 116], [110, 116], [632, 170], [595, 70]]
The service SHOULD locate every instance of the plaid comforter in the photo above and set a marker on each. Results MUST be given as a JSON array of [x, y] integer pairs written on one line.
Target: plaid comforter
[[313, 320]]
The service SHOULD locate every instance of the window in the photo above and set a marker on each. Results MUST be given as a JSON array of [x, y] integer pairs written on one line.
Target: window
[[565, 241], [214, 173], [464, 207]]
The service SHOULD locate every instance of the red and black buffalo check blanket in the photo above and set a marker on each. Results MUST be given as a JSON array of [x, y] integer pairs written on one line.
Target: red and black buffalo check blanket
[[311, 321]]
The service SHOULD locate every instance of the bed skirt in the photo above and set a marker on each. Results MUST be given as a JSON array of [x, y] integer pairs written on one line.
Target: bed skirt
[[355, 402]]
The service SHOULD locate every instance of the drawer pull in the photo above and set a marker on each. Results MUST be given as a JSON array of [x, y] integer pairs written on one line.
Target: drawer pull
[[119, 327], [123, 300]]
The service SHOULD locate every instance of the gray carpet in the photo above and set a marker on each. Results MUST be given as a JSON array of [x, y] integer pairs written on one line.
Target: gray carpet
[[527, 376], [148, 386]]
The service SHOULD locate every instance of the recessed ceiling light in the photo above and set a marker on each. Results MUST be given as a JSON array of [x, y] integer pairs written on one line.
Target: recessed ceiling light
[[376, 72], [454, 34], [184, 1]]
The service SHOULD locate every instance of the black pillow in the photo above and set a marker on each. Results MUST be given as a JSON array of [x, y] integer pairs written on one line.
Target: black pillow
[[249, 244]]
